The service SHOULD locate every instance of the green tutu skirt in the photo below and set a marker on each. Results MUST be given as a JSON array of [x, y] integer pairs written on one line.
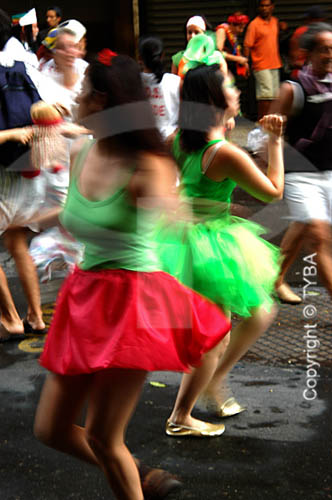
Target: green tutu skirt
[[224, 259]]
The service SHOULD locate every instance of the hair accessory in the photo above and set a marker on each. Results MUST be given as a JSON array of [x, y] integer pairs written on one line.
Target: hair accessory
[[75, 26], [200, 50], [25, 18], [197, 21], [16, 18], [50, 39], [105, 56], [238, 19]]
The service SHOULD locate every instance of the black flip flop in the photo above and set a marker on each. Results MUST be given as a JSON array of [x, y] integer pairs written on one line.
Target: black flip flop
[[10, 337], [34, 331]]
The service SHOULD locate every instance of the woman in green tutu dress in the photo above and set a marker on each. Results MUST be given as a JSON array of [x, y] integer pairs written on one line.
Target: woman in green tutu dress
[[219, 255]]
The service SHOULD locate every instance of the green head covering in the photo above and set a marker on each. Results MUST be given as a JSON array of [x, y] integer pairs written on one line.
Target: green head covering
[[201, 50]]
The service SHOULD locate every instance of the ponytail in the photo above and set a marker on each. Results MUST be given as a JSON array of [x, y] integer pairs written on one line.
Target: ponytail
[[151, 51]]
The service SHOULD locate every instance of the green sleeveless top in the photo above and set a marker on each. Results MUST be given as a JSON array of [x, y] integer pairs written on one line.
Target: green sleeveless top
[[176, 58], [115, 233], [194, 183]]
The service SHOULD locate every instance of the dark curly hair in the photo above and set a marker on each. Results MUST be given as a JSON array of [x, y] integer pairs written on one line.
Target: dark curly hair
[[202, 102], [121, 84]]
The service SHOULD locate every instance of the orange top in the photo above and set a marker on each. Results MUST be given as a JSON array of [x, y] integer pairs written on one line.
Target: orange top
[[262, 40]]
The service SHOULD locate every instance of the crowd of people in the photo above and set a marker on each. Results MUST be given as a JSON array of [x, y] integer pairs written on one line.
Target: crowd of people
[[146, 190]]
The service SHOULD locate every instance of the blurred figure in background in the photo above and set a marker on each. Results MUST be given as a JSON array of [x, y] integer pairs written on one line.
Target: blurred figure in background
[[46, 50], [163, 89], [67, 68], [25, 30], [307, 103], [20, 198], [228, 43], [195, 25], [53, 19], [297, 55], [262, 45]]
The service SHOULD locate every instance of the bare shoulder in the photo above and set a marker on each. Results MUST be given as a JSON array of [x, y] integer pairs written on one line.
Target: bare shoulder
[[154, 164], [76, 147], [286, 89], [154, 175], [231, 153], [228, 159], [285, 101]]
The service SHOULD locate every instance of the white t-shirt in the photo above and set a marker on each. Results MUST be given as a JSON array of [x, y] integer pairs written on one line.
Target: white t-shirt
[[165, 100], [69, 95], [48, 89], [16, 50]]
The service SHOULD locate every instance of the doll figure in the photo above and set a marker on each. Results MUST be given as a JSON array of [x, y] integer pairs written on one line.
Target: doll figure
[[49, 147]]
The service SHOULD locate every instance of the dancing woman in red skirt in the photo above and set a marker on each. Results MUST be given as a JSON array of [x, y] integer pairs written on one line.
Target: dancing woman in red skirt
[[118, 315]]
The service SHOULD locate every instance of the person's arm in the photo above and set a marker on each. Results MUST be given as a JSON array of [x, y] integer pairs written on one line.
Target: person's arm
[[284, 104], [243, 61], [221, 37], [249, 41], [274, 126], [174, 69], [48, 218], [23, 135], [176, 58], [73, 130], [223, 65], [246, 52], [233, 163]]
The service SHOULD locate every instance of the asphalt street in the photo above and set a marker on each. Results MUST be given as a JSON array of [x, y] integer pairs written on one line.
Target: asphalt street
[[279, 448]]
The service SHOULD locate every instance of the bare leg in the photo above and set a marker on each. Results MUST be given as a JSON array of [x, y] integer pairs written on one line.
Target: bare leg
[[112, 401], [320, 239], [9, 315], [209, 374], [16, 243], [290, 246], [60, 405], [224, 389], [243, 336], [112, 398], [324, 263], [192, 384]]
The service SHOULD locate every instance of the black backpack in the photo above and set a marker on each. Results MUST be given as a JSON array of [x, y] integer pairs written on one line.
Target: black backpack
[[17, 94]]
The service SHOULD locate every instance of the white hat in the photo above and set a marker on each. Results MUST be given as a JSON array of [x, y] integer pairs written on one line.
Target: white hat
[[74, 26], [197, 21], [29, 18]]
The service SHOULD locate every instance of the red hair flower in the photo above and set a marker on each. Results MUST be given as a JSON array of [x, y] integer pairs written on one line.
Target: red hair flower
[[238, 19], [105, 56]]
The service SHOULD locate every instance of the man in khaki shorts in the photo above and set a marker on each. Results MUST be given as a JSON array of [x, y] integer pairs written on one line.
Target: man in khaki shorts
[[261, 44]]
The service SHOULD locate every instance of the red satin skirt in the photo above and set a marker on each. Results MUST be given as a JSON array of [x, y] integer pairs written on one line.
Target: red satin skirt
[[128, 319]]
